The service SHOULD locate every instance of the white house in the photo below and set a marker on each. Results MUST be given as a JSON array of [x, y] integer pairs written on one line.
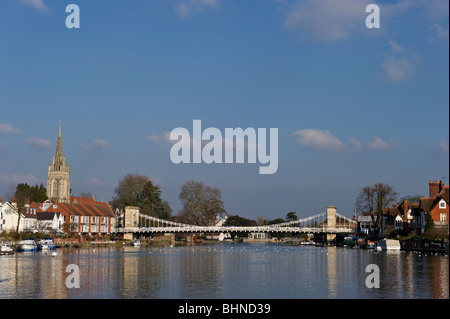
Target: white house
[[50, 221], [9, 217], [365, 223]]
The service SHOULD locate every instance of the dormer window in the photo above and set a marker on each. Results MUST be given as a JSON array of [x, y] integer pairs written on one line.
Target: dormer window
[[442, 204]]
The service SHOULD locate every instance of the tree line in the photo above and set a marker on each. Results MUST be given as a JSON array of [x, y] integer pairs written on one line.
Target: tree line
[[203, 205]]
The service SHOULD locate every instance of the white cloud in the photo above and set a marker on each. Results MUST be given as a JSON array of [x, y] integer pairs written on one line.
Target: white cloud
[[39, 142], [36, 4], [356, 145], [400, 64], [326, 20], [397, 69], [95, 182], [163, 139], [443, 147], [14, 179], [187, 8], [332, 20], [7, 128], [99, 143], [378, 144], [437, 9], [96, 144], [441, 33], [2, 144], [225, 143], [395, 47], [321, 140]]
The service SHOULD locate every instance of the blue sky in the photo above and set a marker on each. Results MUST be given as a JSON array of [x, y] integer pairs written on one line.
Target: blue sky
[[353, 106]]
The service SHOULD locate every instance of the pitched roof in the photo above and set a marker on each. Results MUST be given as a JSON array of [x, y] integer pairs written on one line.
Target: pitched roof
[[46, 215], [429, 202], [444, 193], [82, 206]]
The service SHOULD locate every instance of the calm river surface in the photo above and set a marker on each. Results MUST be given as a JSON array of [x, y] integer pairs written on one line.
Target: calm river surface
[[227, 270]]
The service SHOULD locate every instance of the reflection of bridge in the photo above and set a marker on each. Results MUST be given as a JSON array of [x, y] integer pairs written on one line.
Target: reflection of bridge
[[325, 223]]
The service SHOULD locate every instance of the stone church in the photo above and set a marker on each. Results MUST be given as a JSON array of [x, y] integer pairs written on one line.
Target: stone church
[[58, 182]]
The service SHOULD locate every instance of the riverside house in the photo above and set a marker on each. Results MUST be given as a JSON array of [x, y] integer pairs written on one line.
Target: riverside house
[[84, 216]]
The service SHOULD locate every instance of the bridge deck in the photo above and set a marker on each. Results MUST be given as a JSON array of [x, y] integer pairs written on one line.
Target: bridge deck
[[235, 229]]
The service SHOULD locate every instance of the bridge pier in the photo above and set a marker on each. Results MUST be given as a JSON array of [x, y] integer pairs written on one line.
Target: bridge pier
[[128, 236], [331, 221]]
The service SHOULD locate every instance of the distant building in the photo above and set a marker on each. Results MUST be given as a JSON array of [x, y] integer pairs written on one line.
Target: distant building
[[9, 217], [61, 212], [366, 223], [84, 216], [50, 221], [58, 182], [436, 205]]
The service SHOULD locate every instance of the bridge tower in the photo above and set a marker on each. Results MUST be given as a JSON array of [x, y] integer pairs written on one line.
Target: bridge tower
[[331, 221], [131, 219]]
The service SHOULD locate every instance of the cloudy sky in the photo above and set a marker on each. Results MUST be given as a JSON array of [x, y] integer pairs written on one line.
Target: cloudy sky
[[353, 106]]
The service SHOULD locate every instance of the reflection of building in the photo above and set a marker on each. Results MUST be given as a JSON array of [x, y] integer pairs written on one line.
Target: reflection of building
[[58, 183], [439, 277], [332, 272]]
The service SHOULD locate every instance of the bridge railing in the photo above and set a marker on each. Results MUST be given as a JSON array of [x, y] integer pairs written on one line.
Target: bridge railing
[[233, 229], [314, 224]]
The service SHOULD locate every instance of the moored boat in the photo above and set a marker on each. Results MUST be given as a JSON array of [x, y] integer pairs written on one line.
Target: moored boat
[[47, 243], [6, 249], [136, 243], [389, 244], [27, 244]]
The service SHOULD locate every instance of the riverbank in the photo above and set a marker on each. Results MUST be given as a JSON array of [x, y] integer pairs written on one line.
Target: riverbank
[[419, 245]]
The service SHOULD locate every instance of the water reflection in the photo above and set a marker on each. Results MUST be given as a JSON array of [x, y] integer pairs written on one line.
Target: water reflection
[[223, 271]]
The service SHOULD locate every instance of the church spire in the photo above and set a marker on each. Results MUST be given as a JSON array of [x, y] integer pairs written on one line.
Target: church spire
[[59, 156], [58, 183], [59, 146]]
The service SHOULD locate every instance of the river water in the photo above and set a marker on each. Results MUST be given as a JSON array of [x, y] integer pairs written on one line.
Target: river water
[[223, 271]]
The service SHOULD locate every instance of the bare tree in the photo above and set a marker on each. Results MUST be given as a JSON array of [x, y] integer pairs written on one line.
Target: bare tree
[[86, 195], [372, 199], [202, 205]]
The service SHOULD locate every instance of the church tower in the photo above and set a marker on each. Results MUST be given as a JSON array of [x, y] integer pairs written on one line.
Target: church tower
[[58, 183]]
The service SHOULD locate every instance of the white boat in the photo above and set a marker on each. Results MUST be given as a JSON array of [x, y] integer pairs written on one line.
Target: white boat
[[136, 242], [27, 244], [46, 243], [6, 249], [389, 244]]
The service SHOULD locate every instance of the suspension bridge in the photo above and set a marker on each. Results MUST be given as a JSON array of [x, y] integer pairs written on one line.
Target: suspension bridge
[[329, 222]]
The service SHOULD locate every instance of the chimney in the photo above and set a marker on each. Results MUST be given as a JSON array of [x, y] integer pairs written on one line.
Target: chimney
[[405, 211], [434, 188], [441, 185]]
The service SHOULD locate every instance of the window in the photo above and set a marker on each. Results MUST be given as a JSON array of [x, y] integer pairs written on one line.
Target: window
[[443, 217], [442, 204]]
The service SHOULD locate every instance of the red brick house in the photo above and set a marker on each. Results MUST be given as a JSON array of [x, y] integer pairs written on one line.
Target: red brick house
[[436, 205], [85, 216]]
